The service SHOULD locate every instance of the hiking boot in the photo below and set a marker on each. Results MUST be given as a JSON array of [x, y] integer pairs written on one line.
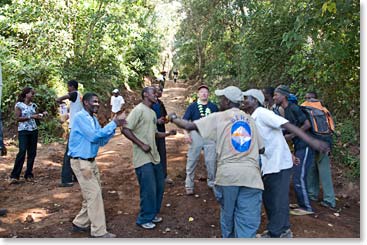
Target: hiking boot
[[287, 234], [66, 184], [300, 211], [148, 225], [107, 235], [76, 228], [157, 219], [328, 205], [189, 191]]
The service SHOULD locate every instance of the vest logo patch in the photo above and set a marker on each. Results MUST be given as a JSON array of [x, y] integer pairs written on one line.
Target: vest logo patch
[[241, 136]]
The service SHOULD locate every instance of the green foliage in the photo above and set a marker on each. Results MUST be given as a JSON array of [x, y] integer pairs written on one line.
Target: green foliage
[[102, 44]]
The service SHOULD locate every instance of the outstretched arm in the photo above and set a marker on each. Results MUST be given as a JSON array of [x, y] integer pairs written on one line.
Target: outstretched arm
[[314, 143], [182, 123]]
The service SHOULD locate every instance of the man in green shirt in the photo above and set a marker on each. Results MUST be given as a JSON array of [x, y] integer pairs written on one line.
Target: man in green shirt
[[141, 129]]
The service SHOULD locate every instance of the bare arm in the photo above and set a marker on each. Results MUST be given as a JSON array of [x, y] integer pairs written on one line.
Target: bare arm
[[165, 134], [305, 126], [19, 118], [131, 136], [314, 143], [60, 99], [182, 123]]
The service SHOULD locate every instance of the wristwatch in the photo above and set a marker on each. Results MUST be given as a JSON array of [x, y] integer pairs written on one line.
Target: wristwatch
[[174, 116]]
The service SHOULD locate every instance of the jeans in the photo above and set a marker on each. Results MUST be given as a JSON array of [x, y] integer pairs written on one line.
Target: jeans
[[276, 201], [240, 213], [161, 147], [1, 133], [151, 182], [305, 156], [320, 171], [198, 143], [66, 170], [27, 145]]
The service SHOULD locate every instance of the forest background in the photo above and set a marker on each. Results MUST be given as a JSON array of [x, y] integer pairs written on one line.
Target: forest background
[[106, 44]]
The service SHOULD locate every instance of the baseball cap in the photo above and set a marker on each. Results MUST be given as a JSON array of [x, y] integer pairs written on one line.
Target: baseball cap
[[232, 93], [203, 86], [256, 93], [115, 90]]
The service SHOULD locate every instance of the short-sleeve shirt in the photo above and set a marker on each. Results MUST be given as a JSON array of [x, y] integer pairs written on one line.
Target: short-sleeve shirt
[[116, 103], [277, 155], [193, 113], [160, 111], [27, 111], [75, 105], [237, 147], [142, 122], [295, 115]]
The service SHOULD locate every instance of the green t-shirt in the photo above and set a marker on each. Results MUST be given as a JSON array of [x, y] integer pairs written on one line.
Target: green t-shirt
[[237, 146], [142, 122]]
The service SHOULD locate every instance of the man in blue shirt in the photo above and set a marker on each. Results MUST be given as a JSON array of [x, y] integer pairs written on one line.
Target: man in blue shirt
[[196, 110], [86, 137]]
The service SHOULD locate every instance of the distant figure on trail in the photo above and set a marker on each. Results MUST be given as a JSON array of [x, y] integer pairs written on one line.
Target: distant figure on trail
[[161, 113], [238, 185], [86, 136], [320, 170], [141, 129], [117, 102], [196, 110], [175, 75], [162, 79], [26, 114], [75, 98]]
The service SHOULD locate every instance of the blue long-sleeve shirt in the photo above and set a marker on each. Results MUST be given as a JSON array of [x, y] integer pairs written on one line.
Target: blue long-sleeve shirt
[[87, 136]]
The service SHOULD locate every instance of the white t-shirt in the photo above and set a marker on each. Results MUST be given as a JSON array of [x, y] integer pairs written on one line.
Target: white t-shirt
[[116, 103], [277, 155], [76, 105]]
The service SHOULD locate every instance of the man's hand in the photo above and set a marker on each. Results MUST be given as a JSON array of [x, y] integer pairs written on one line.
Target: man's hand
[[145, 148], [188, 139], [295, 160], [171, 116], [161, 120], [120, 119]]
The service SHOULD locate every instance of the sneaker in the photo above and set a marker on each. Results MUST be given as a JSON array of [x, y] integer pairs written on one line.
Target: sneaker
[[293, 205], [107, 235], [300, 211], [328, 205], [168, 181], [13, 181], [29, 179], [76, 228], [287, 234], [265, 234], [189, 191], [66, 184], [3, 211], [148, 225], [157, 219]]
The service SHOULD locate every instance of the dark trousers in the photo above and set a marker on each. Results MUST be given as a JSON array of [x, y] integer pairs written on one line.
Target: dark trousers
[[161, 147], [151, 182], [27, 145], [276, 201], [66, 171], [306, 156]]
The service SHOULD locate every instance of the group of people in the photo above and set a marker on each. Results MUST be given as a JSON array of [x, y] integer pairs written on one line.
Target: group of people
[[247, 157]]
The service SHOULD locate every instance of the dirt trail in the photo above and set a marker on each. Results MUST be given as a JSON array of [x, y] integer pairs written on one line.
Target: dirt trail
[[50, 209]]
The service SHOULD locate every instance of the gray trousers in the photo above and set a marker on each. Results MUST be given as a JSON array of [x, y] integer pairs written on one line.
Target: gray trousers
[[198, 144]]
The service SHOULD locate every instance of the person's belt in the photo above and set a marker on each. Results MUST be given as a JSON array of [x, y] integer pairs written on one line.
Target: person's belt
[[85, 159]]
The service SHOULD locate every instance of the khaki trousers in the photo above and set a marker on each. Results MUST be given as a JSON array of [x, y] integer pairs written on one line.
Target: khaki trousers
[[92, 212]]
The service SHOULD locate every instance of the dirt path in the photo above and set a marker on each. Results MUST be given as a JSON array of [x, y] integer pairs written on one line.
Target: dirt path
[[50, 209]]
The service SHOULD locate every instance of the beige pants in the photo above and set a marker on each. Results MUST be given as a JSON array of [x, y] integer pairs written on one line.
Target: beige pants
[[92, 212]]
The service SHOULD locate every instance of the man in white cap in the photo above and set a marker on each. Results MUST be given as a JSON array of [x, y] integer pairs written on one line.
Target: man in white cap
[[276, 162], [238, 185], [117, 101]]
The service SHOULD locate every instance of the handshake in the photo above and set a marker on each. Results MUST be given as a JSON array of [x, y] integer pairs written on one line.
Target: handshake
[[172, 116]]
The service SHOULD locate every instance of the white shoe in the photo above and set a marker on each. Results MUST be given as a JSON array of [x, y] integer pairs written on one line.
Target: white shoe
[[148, 226], [157, 219]]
